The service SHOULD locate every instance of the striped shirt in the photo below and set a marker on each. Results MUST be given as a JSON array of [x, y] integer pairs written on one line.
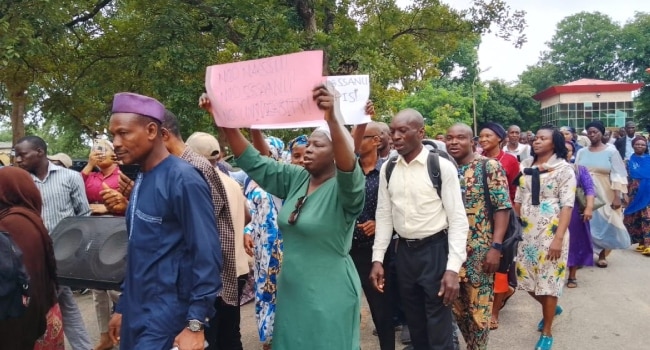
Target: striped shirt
[[63, 193], [224, 224]]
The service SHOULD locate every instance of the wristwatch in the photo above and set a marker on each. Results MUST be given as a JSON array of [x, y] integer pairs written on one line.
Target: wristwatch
[[195, 325], [497, 246]]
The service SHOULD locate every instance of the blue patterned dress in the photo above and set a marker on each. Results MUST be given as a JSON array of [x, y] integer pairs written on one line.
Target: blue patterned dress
[[267, 241]]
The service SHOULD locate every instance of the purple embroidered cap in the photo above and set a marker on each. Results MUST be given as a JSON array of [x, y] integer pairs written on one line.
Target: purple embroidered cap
[[128, 102]]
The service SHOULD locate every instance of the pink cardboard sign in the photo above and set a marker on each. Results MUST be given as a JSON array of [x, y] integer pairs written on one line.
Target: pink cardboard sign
[[274, 90]]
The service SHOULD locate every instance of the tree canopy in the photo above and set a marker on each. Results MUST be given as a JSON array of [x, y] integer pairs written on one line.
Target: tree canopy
[[62, 61]]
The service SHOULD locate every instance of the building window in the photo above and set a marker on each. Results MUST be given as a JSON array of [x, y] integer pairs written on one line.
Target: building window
[[577, 115]]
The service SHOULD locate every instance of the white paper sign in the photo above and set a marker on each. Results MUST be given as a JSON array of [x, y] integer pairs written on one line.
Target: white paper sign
[[353, 93]]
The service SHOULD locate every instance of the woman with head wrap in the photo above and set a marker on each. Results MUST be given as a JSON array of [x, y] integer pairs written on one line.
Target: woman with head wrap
[[319, 293], [40, 327], [607, 169], [490, 138], [637, 213], [297, 148], [544, 202]]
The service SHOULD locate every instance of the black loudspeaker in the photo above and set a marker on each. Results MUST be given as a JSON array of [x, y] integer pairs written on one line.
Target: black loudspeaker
[[91, 251]]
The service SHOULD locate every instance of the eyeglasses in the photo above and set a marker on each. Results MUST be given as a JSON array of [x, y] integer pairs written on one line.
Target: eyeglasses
[[368, 136], [293, 217]]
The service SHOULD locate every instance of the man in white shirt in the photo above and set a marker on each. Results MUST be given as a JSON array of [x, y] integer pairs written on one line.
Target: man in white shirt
[[514, 147], [432, 234], [624, 142]]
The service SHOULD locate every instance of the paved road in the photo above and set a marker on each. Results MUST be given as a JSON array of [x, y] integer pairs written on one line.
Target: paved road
[[609, 310]]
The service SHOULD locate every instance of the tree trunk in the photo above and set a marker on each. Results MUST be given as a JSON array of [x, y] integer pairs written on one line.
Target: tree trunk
[[18, 99], [330, 16], [305, 9]]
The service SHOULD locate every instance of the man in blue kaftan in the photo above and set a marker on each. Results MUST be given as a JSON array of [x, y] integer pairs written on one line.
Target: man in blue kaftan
[[174, 256]]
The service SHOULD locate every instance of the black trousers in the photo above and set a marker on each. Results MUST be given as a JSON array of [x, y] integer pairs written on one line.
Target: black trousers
[[380, 304], [419, 274], [223, 331], [390, 270]]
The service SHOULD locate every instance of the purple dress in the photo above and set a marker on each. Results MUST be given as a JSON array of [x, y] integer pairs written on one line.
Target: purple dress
[[581, 251]]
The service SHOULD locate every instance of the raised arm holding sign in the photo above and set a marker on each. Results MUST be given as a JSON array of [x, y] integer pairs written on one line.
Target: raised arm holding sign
[[272, 93]]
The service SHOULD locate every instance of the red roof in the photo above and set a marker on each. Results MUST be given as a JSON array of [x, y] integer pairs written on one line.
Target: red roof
[[587, 85]]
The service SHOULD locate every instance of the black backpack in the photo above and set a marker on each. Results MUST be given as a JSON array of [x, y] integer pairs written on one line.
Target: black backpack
[[433, 164], [14, 280]]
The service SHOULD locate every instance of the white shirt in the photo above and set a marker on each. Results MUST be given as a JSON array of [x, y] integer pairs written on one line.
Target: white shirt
[[522, 152], [64, 195], [412, 207]]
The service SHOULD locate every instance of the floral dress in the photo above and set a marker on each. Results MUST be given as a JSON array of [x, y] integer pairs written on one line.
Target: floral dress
[[53, 337], [267, 242], [536, 273], [473, 308]]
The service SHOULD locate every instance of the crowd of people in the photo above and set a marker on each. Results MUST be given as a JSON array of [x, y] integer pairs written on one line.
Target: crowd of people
[[416, 225]]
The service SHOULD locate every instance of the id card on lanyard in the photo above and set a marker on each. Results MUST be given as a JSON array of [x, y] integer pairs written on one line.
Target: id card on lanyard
[[134, 202]]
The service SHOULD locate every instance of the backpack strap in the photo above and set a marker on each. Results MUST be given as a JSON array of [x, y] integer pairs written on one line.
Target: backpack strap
[[433, 166], [389, 168], [486, 189]]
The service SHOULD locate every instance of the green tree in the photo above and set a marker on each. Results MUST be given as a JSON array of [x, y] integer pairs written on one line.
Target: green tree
[[585, 45], [37, 38], [540, 76], [635, 50], [440, 107], [509, 104], [74, 59]]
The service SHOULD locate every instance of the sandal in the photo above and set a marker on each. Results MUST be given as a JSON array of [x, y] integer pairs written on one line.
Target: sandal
[[558, 312], [640, 248], [494, 324], [602, 263], [646, 252], [572, 283], [510, 293]]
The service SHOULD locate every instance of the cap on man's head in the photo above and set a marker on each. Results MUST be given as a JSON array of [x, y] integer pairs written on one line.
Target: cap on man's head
[[61, 157], [204, 144], [128, 102]]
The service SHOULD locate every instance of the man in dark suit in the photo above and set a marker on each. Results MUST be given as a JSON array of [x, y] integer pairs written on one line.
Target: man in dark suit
[[624, 142]]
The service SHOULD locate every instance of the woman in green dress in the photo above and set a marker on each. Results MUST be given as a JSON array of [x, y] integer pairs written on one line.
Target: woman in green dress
[[319, 293]]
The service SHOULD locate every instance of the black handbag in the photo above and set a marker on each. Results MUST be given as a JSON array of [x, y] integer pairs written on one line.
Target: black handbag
[[513, 233]]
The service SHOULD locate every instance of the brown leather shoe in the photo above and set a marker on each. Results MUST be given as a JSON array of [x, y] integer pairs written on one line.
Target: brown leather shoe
[[105, 342]]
